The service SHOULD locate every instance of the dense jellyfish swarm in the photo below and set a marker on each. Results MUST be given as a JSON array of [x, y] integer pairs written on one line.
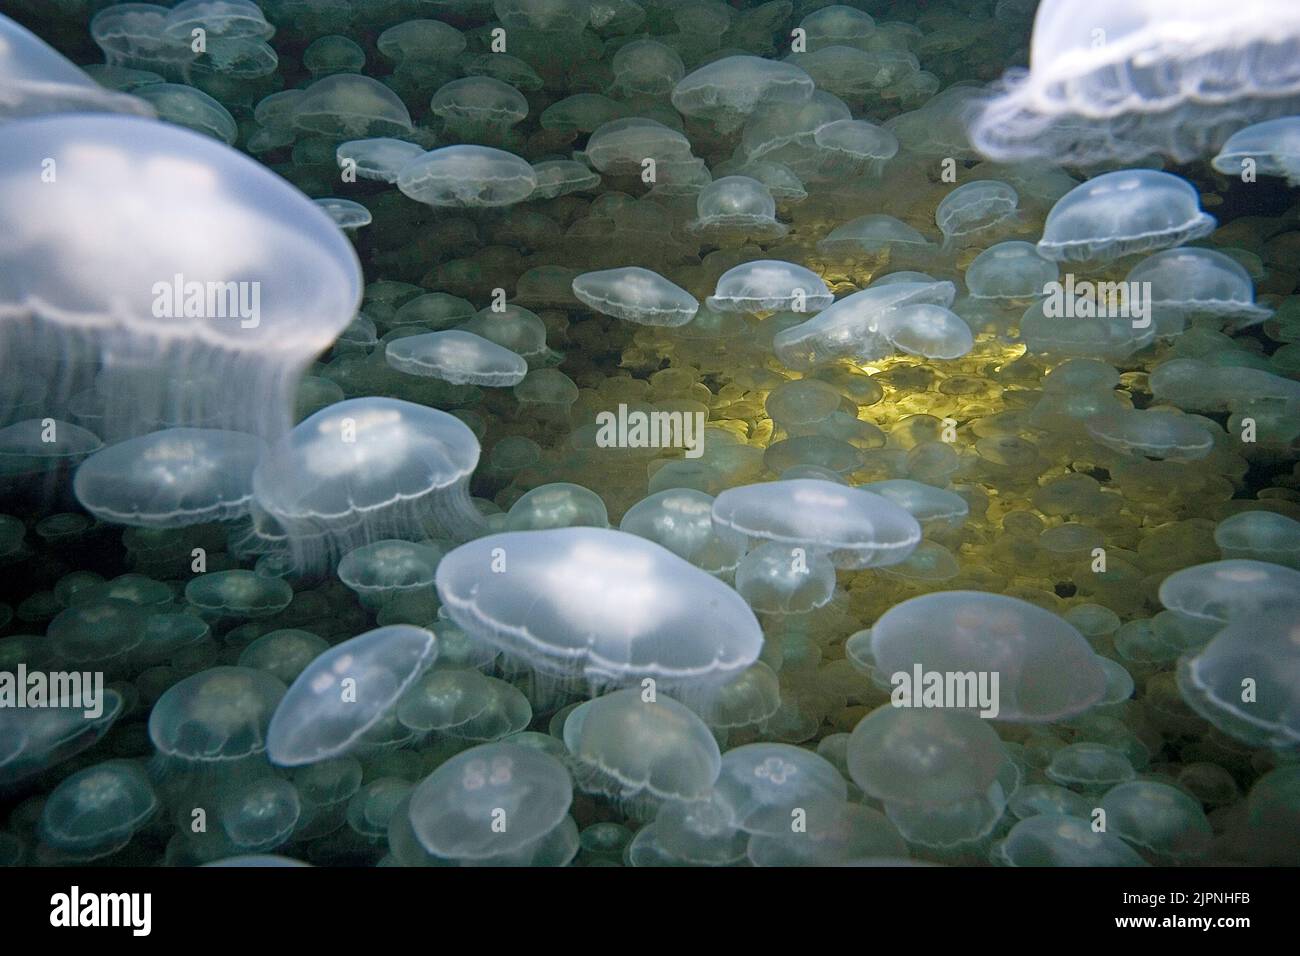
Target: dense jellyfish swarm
[[543, 432]]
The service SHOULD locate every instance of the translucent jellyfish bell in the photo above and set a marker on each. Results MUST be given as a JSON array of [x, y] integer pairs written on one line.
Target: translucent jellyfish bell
[[110, 258], [728, 90], [1199, 282], [647, 67], [97, 810], [681, 519], [1260, 536], [600, 607], [766, 784], [351, 106], [641, 754], [636, 295], [1046, 669], [923, 757], [456, 356], [1122, 213], [770, 285], [975, 209], [479, 106], [489, 801], [854, 528], [471, 176], [928, 330], [1010, 270], [170, 478], [1167, 77], [1153, 433], [736, 208], [851, 327], [36, 80], [220, 714], [345, 692], [1225, 591], [1273, 147], [380, 158], [366, 469]]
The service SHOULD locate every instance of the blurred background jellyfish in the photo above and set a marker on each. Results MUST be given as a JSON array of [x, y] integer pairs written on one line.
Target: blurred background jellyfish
[[468, 176], [1120, 81], [96, 811], [252, 297], [37, 80], [368, 469], [636, 295]]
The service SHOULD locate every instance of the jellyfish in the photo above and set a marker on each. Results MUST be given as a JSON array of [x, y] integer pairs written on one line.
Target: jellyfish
[[237, 594], [346, 692], [623, 146], [928, 330], [284, 654], [681, 520], [37, 80], [217, 716], [1118, 81], [1047, 330], [1153, 433], [464, 704], [698, 833], [928, 758], [379, 158], [851, 327], [490, 801], [260, 815], [600, 608], [379, 572], [1054, 839], [1010, 271], [135, 36], [477, 107], [776, 578], [647, 67], [347, 215], [1122, 213], [641, 754], [769, 285], [170, 478], [733, 209], [975, 209], [429, 41], [838, 25], [1045, 669], [248, 301], [1183, 283], [1271, 147], [1244, 680], [935, 508], [853, 528], [96, 811], [560, 177], [557, 505], [456, 356], [368, 469], [636, 295], [467, 176], [35, 739], [328, 55], [768, 786], [1090, 767], [1158, 819], [351, 106], [874, 233], [725, 92], [1260, 536], [853, 148]]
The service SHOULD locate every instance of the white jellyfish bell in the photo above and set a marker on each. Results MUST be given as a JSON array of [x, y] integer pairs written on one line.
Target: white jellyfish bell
[[1120, 80], [100, 256]]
